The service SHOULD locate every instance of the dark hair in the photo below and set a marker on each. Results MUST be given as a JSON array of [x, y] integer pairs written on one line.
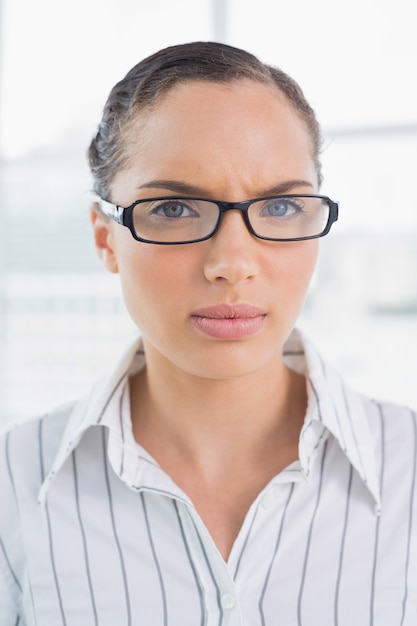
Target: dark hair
[[145, 83]]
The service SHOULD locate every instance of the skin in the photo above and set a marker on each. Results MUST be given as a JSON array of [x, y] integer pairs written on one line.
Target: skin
[[222, 417]]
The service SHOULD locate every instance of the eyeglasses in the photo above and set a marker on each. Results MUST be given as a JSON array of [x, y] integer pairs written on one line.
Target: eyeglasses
[[173, 220]]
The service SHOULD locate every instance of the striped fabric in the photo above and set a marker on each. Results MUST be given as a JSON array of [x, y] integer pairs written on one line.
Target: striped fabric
[[93, 532]]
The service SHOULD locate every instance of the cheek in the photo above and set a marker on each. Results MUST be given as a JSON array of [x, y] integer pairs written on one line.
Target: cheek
[[308, 259], [154, 279], [296, 268]]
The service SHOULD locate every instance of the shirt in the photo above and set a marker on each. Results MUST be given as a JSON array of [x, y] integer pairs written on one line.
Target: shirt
[[92, 531]]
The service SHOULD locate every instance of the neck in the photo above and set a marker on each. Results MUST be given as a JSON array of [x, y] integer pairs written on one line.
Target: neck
[[221, 441], [207, 421]]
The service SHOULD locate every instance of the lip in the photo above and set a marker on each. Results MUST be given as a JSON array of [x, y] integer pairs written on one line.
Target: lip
[[229, 321]]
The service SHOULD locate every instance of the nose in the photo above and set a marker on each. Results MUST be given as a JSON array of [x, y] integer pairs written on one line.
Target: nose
[[232, 251]]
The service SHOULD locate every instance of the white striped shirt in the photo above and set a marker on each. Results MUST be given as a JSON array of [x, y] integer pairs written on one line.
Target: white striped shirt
[[93, 532]]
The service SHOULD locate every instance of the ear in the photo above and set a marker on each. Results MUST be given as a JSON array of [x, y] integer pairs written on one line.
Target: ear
[[103, 238]]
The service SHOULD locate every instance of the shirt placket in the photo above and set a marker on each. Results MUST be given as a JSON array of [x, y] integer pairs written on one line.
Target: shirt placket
[[222, 607]]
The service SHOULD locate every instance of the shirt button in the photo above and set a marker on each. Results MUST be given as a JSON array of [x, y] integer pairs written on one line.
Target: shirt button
[[228, 601]]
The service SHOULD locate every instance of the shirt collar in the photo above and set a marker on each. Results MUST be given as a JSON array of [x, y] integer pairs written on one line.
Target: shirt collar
[[94, 409], [332, 409]]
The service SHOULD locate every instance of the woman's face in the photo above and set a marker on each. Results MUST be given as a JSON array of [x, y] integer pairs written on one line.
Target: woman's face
[[228, 142]]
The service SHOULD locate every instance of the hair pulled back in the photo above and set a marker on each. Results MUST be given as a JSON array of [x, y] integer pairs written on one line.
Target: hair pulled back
[[146, 82]]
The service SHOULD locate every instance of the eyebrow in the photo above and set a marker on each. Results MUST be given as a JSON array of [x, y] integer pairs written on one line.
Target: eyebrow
[[177, 186]]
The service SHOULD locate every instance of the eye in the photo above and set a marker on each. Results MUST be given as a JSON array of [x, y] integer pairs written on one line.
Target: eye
[[172, 209], [282, 207]]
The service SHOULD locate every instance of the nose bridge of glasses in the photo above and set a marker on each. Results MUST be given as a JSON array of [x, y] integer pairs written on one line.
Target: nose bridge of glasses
[[234, 206], [242, 207]]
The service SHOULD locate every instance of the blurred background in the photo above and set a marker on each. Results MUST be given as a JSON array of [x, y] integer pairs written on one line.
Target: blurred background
[[62, 321]]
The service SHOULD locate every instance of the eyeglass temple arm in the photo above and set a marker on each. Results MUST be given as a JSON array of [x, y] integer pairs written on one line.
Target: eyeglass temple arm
[[111, 210]]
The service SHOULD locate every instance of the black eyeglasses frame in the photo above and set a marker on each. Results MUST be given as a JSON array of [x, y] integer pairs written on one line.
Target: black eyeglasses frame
[[124, 215]]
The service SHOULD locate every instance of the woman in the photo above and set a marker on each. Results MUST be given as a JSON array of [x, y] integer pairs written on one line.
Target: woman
[[222, 473]]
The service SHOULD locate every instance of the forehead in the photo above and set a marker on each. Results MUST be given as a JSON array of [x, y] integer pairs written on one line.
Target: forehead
[[211, 105], [242, 127]]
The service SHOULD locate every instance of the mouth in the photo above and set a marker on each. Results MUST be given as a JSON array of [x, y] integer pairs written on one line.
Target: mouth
[[229, 321]]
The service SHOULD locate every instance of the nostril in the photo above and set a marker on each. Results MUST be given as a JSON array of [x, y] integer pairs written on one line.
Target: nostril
[[231, 262]]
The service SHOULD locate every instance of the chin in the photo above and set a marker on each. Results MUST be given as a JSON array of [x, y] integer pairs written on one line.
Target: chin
[[232, 360]]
